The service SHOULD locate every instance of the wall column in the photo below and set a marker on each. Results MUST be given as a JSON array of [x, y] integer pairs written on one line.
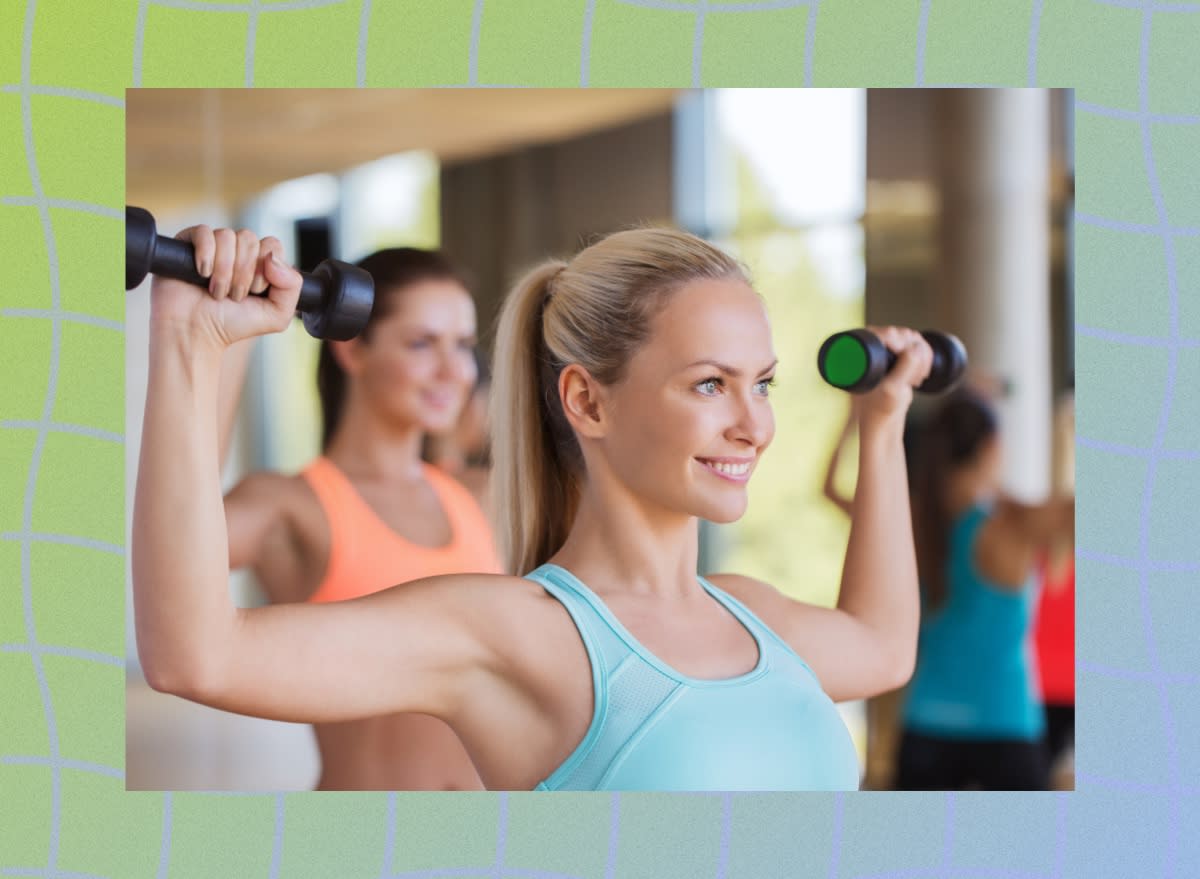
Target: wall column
[[994, 268]]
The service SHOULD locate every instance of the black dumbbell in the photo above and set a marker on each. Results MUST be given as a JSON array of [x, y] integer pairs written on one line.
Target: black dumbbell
[[335, 298], [857, 360]]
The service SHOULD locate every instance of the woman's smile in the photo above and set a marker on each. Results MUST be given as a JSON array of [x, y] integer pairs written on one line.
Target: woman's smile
[[733, 469]]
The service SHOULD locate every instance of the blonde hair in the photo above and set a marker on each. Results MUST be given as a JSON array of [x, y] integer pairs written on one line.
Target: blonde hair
[[596, 311]]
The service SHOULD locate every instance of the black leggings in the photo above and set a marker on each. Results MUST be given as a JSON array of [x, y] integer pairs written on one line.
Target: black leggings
[[932, 763], [1060, 730]]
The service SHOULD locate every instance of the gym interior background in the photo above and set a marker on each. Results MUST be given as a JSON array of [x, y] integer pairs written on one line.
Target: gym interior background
[[930, 208]]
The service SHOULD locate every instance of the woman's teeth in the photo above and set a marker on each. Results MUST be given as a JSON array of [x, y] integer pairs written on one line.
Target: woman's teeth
[[731, 469]]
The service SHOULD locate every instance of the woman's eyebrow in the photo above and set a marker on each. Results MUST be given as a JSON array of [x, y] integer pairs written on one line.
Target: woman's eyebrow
[[730, 370], [420, 332]]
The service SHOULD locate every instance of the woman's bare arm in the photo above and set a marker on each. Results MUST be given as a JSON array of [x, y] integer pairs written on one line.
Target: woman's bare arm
[[1017, 535], [419, 647], [1042, 524], [879, 577], [404, 650], [257, 504], [233, 376], [179, 545], [254, 508]]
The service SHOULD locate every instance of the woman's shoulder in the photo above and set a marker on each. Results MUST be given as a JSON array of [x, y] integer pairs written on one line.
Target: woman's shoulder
[[760, 597], [476, 480], [263, 487], [1006, 548], [497, 608], [487, 598], [288, 499], [1036, 523], [484, 585], [449, 484], [740, 586]]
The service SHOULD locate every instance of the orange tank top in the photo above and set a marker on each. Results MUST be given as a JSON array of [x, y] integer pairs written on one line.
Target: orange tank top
[[366, 555]]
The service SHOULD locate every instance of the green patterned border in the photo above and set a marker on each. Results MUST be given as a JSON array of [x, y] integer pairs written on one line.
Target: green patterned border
[[64, 66]]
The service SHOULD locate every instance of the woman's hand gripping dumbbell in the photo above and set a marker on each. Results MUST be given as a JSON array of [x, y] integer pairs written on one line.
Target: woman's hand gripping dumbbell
[[335, 299], [857, 360]]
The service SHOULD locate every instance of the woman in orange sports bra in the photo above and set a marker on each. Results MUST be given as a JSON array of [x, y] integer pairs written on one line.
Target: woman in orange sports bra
[[369, 513]]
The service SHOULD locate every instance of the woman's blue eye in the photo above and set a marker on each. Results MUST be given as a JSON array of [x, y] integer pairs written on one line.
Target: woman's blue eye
[[717, 383]]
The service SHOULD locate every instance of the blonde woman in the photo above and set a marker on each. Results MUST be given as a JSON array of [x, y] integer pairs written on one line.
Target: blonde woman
[[629, 400]]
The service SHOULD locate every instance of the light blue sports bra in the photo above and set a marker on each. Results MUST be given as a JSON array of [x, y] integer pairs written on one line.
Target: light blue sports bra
[[653, 728]]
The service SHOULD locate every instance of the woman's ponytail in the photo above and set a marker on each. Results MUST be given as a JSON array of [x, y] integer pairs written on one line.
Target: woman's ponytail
[[534, 490]]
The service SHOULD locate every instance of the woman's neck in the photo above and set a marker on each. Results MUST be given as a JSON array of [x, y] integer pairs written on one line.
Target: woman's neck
[[619, 545], [370, 447], [966, 492]]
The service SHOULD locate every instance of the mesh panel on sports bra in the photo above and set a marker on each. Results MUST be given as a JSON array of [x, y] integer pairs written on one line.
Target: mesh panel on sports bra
[[635, 691]]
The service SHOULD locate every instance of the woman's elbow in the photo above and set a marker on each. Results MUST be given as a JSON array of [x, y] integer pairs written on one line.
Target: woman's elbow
[[899, 670], [178, 675], [164, 677]]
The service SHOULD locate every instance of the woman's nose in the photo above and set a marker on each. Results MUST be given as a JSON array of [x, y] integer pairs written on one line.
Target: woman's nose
[[755, 421]]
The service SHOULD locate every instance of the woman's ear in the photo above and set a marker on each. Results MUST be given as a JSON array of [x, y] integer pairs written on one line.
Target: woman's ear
[[347, 354], [583, 401]]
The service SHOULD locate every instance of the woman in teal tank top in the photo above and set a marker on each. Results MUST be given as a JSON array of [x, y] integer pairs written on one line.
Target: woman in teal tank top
[[630, 400], [972, 715]]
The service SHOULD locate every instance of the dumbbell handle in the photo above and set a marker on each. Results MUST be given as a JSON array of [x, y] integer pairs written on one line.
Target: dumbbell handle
[[172, 258], [335, 298]]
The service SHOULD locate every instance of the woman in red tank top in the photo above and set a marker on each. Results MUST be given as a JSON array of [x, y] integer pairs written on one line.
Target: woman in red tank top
[[1054, 631]]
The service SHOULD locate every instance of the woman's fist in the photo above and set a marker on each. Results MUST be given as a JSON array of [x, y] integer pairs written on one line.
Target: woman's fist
[[236, 265]]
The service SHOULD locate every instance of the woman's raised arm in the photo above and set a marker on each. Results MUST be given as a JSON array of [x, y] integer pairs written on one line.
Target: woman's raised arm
[[867, 644], [403, 650]]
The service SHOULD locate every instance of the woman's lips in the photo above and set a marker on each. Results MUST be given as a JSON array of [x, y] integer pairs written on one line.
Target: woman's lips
[[732, 470]]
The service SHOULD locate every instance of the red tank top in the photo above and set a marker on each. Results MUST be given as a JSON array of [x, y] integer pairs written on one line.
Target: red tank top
[[366, 555], [1054, 636]]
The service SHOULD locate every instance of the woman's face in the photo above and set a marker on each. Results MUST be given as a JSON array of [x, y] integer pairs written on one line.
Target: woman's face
[[692, 416], [417, 366]]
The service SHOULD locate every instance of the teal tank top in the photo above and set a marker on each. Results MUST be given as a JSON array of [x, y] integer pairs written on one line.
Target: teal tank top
[[652, 728], [975, 670]]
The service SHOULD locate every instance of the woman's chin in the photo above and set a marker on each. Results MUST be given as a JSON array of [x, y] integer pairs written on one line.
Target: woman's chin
[[435, 422], [723, 514]]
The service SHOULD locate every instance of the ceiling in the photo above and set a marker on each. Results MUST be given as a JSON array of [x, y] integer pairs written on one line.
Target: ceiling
[[189, 146]]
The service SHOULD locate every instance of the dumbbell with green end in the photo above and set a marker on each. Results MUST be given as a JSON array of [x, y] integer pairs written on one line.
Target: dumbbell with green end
[[857, 360], [335, 298]]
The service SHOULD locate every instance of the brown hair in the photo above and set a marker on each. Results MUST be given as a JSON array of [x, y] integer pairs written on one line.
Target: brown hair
[[947, 439]]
